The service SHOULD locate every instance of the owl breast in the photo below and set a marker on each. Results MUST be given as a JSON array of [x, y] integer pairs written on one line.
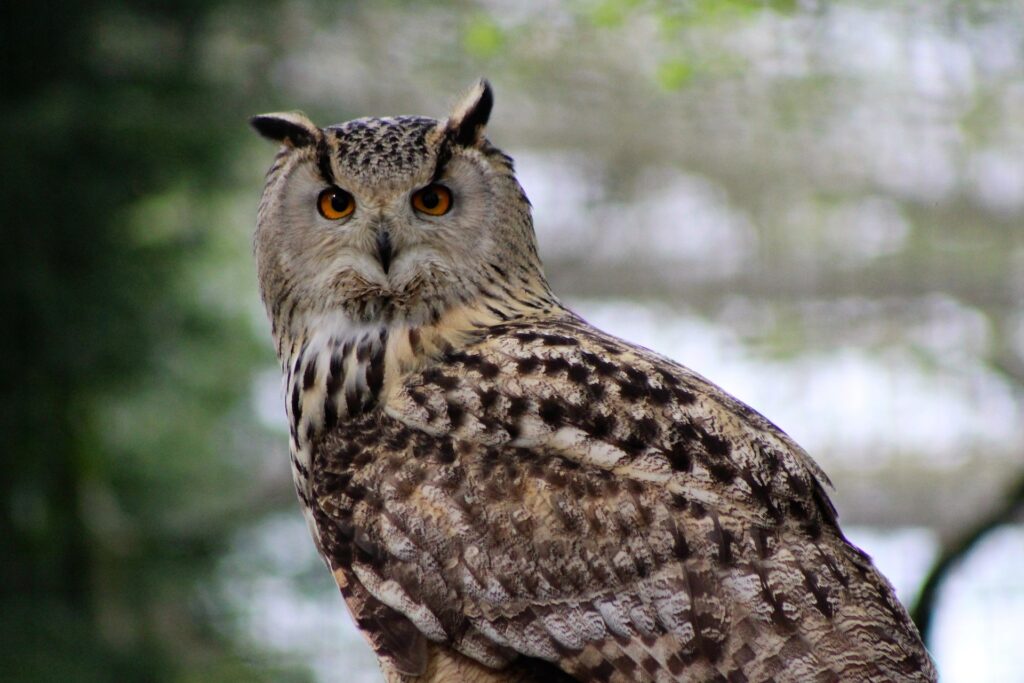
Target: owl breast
[[333, 374]]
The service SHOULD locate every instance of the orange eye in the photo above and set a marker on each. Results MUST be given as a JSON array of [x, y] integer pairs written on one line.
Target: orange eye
[[334, 203], [433, 200]]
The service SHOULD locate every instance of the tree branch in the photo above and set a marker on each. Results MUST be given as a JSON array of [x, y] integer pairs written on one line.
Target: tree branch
[[923, 611]]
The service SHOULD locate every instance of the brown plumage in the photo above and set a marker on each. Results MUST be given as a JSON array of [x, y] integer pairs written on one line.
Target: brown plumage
[[505, 493]]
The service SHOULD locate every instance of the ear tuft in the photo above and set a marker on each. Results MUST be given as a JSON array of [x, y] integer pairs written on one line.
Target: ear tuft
[[467, 121], [292, 129]]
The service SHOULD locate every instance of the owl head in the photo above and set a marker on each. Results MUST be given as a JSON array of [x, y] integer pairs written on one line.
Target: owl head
[[386, 220]]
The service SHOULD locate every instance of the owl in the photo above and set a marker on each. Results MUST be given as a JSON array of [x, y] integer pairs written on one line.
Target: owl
[[503, 492]]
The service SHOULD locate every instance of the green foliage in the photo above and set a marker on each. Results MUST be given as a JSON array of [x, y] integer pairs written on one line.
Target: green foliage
[[674, 74], [482, 37], [125, 385], [610, 13]]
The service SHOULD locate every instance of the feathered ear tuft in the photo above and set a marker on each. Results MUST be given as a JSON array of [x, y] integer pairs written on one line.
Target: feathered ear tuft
[[292, 129], [467, 121]]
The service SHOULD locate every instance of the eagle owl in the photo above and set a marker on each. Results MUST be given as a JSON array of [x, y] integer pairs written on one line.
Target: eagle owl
[[505, 493]]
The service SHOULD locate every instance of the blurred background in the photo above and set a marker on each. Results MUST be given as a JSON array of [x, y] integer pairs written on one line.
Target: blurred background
[[818, 205]]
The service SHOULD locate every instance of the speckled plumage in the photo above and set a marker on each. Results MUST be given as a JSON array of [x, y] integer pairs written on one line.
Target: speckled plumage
[[505, 493]]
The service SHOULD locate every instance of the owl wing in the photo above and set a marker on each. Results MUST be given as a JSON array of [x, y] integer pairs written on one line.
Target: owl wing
[[551, 492]]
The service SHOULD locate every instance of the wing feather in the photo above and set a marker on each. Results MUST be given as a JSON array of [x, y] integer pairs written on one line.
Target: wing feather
[[554, 493]]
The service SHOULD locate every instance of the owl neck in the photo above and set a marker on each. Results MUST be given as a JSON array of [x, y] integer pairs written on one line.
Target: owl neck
[[337, 368]]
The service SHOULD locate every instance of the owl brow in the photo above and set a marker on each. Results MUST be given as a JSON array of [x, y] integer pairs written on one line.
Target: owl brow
[[323, 159], [444, 155]]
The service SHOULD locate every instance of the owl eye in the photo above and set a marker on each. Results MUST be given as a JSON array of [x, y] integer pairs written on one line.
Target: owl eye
[[433, 200], [334, 203]]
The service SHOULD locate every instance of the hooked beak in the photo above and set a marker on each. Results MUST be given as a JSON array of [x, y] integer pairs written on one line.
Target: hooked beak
[[384, 249]]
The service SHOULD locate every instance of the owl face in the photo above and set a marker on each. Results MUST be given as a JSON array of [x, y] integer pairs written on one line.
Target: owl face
[[385, 218]]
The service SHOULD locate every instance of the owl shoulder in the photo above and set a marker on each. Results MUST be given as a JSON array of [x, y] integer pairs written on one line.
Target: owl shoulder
[[562, 386]]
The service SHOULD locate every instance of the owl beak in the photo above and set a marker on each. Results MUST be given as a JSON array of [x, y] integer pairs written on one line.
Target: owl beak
[[384, 249]]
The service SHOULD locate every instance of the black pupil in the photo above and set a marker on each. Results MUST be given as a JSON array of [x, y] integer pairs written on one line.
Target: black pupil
[[340, 201], [429, 199]]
